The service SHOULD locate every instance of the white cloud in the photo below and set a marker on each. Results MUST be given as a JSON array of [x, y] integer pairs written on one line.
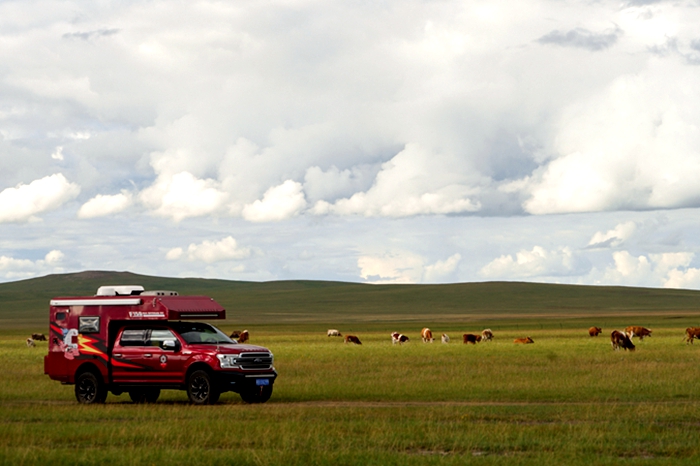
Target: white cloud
[[174, 254], [15, 269], [279, 203], [58, 153], [538, 262], [208, 251], [405, 267], [613, 238], [670, 270], [414, 182], [182, 195], [22, 203], [102, 205]]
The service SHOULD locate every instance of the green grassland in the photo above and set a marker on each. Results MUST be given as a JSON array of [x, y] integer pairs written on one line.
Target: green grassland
[[567, 399]]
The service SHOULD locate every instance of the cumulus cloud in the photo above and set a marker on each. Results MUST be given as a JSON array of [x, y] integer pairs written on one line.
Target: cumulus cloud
[[613, 238], [15, 269], [102, 205], [538, 262], [670, 270], [414, 182], [405, 267], [182, 195], [279, 203], [23, 202], [226, 249]]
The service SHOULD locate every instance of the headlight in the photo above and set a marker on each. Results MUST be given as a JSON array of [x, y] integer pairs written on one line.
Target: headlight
[[227, 361]]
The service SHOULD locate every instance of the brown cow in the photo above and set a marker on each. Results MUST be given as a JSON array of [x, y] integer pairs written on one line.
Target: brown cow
[[486, 334], [595, 331], [636, 331], [235, 334], [245, 336], [426, 335], [691, 333], [352, 339], [399, 338], [471, 338], [38, 337], [621, 340], [524, 341]]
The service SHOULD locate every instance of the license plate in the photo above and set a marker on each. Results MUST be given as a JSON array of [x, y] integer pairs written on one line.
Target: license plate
[[261, 382]]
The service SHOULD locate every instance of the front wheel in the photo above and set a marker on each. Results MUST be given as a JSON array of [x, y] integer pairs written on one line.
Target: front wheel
[[257, 394], [90, 389], [200, 389]]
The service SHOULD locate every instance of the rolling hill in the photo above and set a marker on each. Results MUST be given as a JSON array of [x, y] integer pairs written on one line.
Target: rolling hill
[[319, 303]]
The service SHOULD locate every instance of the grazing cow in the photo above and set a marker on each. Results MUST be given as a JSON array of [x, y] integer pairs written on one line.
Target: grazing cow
[[524, 341], [30, 343], [621, 340], [445, 338], [636, 331], [235, 334], [595, 331], [426, 335], [691, 333], [38, 337], [352, 339], [399, 338], [245, 336], [471, 338], [486, 335], [334, 333]]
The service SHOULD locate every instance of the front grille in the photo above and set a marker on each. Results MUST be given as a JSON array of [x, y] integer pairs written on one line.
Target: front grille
[[255, 361]]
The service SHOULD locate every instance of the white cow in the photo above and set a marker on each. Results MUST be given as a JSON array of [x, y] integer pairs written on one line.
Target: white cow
[[334, 333]]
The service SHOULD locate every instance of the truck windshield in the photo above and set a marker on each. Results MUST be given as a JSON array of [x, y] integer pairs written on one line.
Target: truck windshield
[[201, 333]]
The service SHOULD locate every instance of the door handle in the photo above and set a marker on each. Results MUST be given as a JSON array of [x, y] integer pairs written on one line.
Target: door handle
[[117, 355], [147, 355]]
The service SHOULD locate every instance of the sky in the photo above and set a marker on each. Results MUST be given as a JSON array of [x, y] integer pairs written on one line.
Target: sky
[[407, 141]]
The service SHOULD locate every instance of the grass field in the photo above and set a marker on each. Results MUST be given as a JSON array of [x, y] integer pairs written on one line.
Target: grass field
[[567, 399]]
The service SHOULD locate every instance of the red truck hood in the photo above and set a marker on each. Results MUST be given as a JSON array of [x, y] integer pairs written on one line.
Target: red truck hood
[[230, 349]]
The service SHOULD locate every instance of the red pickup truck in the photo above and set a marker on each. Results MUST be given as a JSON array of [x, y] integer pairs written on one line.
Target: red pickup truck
[[125, 339]]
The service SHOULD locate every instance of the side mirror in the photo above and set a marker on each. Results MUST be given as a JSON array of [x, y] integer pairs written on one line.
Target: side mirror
[[169, 345]]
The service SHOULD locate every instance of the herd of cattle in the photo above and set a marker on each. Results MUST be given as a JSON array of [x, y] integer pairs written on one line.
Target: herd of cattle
[[618, 339]]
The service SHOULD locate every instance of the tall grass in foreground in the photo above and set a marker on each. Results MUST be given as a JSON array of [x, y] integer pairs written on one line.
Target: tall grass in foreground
[[567, 399]]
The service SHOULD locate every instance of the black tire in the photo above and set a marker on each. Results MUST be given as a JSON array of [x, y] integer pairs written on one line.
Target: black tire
[[147, 395], [257, 394], [200, 389], [89, 389]]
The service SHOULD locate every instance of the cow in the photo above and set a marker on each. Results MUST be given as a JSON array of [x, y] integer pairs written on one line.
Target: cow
[[38, 337], [30, 343], [636, 331], [334, 333], [352, 339], [691, 333], [399, 338], [245, 336], [471, 338], [524, 341], [445, 338], [621, 340], [426, 335], [595, 331], [235, 334], [486, 335]]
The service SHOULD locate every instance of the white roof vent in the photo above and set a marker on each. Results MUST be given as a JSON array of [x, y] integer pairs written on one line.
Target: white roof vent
[[119, 290]]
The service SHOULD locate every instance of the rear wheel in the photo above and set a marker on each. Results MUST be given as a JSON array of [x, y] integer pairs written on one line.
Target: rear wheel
[[147, 395], [90, 389], [257, 394], [200, 389]]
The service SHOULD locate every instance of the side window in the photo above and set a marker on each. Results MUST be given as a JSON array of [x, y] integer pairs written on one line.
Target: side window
[[133, 337], [158, 336]]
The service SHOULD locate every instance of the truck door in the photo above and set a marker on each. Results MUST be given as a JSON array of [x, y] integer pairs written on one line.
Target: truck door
[[140, 355]]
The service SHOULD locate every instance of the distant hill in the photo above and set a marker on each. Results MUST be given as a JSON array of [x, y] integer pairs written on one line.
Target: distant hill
[[319, 302]]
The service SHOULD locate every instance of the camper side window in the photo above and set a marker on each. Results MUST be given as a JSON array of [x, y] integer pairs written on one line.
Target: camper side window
[[158, 336], [133, 337]]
